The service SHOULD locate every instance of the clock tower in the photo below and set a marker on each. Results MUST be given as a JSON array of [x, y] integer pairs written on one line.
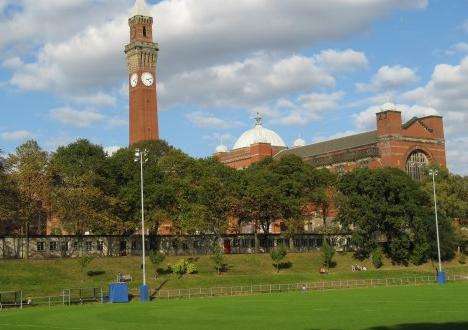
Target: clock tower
[[142, 55]]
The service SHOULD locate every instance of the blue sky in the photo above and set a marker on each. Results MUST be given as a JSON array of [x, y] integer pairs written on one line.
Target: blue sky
[[315, 69]]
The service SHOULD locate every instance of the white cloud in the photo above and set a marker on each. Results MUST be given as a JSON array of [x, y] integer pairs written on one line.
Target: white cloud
[[20, 135], [256, 80], [208, 120], [110, 150], [365, 120], [12, 63], [77, 118], [457, 157], [460, 47], [389, 78], [85, 53], [302, 110], [337, 135], [342, 61], [447, 91]]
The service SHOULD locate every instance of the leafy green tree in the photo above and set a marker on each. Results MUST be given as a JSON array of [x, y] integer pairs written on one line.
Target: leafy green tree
[[377, 258], [81, 189], [28, 169], [387, 205], [8, 196], [157, 258], [218, 258], [328, 252], [277, 255]]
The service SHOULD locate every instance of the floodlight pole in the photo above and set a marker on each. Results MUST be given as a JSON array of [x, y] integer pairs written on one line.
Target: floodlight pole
[[433, 173], [140, 154]]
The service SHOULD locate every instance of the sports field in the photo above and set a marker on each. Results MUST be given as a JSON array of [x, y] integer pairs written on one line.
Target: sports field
[[420, 307]]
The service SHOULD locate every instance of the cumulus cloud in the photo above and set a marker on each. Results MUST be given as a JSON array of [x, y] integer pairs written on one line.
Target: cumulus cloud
[[110, 150], [301, 110], [77, 118], [207, 120], [20, 135], [447, 91], [365, 120], [457, 157], [12, 63], [258, 79], [85, 53], [342, 61], [389, 78]]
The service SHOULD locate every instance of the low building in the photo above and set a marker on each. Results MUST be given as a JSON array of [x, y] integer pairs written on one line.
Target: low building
[[408, 146]]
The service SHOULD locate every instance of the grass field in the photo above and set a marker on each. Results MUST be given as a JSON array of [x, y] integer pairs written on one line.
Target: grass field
[[395, 308], [49, 277]]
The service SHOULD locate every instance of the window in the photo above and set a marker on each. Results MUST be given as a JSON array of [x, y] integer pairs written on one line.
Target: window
[[415, 164], [144, 31], [64, 246], [100, 246], [40, 246], [88, 245], [53, 246]]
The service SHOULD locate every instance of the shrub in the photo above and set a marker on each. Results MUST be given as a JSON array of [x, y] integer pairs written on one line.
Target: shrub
[[156, 258], [95, 272], [182, 267], [377, 258], [277, 255], [420, 254], [328, 252], [191, 268], [462, 258], [218, 259]]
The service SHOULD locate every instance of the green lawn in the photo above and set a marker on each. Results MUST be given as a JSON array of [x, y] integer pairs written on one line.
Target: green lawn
[[421, 307], [49, 277]]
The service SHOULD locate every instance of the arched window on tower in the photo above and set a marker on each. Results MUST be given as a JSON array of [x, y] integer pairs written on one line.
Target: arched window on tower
[[144, 31], [415, 164]]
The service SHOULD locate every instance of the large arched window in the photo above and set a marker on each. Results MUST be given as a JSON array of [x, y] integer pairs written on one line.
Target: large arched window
[[416, 163]]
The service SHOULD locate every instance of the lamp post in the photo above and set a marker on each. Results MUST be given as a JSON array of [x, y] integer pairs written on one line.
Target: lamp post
[[140, 155], [440, 274]]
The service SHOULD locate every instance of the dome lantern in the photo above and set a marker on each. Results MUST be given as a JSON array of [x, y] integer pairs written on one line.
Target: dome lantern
[[259, 134]]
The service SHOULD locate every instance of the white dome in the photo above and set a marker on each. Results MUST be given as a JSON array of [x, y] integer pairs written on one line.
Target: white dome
[[259, 134], [221, 148], [388, 106], [299, 143]]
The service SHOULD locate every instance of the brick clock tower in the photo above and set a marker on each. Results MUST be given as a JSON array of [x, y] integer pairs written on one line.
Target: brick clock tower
[[142, 55]]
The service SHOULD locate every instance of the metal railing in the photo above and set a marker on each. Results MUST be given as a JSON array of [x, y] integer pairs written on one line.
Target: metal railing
[[99, 295]]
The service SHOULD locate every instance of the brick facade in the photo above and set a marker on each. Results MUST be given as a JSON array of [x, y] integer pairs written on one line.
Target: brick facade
[[142, 54]]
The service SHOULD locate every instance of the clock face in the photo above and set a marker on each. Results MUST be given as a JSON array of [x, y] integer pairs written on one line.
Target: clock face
[[134, 80], [147, 79]]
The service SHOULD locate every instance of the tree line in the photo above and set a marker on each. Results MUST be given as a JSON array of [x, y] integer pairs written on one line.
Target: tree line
[[89, 190]]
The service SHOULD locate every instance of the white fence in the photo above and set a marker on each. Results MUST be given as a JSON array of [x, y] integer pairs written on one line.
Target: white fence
[[99, 295]]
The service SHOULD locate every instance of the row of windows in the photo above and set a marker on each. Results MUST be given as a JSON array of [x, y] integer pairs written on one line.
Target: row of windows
[[54, 246]]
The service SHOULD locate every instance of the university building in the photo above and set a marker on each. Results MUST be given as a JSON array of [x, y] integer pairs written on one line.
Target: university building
[[408, 146]]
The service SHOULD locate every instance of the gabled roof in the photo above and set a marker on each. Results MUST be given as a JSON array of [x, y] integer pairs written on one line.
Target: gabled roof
[[343, 143]]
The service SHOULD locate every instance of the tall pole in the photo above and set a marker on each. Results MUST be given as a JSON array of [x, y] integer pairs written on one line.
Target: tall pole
[[434, 173], [142, 218]]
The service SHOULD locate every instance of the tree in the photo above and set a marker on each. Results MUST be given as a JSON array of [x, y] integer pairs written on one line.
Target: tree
[[8, 196], [28, 169], [218, 259], [277, 255], [157, 258], [328, 252], [84, 262], [81, 189], [386, 205]]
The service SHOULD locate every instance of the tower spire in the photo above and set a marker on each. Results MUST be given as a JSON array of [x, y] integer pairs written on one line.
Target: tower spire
[[140, 8], [258, 119]]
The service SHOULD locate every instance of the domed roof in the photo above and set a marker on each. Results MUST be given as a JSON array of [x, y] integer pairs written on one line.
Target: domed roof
[[259, 134], [388, 106], [221, 148], [299, 143]]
